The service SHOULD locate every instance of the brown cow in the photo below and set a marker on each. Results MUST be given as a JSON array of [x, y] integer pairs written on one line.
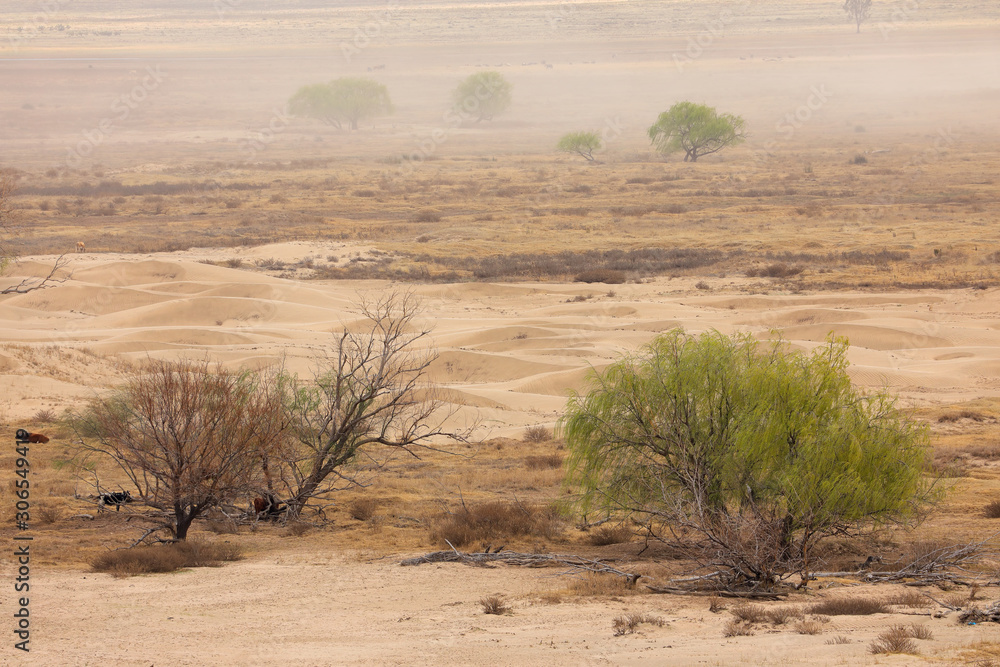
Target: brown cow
[[81, 246], [24, 436]]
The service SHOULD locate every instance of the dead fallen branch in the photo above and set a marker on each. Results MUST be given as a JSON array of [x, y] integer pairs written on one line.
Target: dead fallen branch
[[754, 595], [976, 615], [575, 563]]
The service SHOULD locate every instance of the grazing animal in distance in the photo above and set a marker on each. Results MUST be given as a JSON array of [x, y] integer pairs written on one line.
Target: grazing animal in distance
[[81, 246], [117, 498], [24, 436]]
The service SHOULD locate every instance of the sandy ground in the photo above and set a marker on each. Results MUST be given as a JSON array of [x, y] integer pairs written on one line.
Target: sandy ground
[[508, 354]]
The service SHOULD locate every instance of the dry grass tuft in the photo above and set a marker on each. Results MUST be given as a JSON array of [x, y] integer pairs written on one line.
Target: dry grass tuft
[[992, 510], [950, 417], [850, 607], [782, 615], [737, 628], [910, 599], [543, 462], [716, 605], [748, 612], [605, 535], [537, 434], [627, 624], [165, 558], [495, 604], [496, 520], [600, 585], [839, 639], [896, 639], [362, 509], [809, 627]]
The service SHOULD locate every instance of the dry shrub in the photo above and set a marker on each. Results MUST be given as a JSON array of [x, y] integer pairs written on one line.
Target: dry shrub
[[716, 605], [850, 607], [45, 416], [601, 585], [736, 628], [809, 627], [911, 599], [776, 270], [894, 640], [949, 417], [46, 514], [839, 639], [992, 510], [607, 276], [427, 215], [296, 529], [496, 520], [543, 462], [781, 615], [605, 535], [495, 604], [165, 558], [920, 632], [536, 434], [749, 613], [626, 625], [362, 509]]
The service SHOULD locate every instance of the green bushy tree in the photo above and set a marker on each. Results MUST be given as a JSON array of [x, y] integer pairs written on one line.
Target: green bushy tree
[[696, 129], [344, 101], [743, 455], [482, 95], [581, 143]]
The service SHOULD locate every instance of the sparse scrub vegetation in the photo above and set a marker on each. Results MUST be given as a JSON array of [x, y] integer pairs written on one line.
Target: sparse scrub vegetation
[[495, 604], [494, 521], [897, 639], [165, 558], [628, 623], [605, 535], [850, 606], [537, 433]]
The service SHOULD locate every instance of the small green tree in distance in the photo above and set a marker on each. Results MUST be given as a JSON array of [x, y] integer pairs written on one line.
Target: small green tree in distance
[[741, 455], [482, 95], [581, 143], [696, 129], [344, 101]]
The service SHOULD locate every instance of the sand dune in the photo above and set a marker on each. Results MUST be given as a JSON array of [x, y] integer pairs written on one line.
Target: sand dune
[[511, 350]]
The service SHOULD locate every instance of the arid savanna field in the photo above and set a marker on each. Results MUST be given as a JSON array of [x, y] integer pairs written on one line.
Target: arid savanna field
[[151, 154]]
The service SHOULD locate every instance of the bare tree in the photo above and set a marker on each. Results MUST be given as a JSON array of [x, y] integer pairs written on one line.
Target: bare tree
[[187, 436], [858, 10], [7, 254], [369, 397]]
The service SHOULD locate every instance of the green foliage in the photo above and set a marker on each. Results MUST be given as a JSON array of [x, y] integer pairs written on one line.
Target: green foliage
[[344, 101], [696, 129], [482, 95], [581, 143], [741, 453]]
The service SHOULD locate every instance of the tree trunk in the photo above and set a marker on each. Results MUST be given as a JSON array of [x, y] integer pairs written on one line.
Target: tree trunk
[[183, 523]]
